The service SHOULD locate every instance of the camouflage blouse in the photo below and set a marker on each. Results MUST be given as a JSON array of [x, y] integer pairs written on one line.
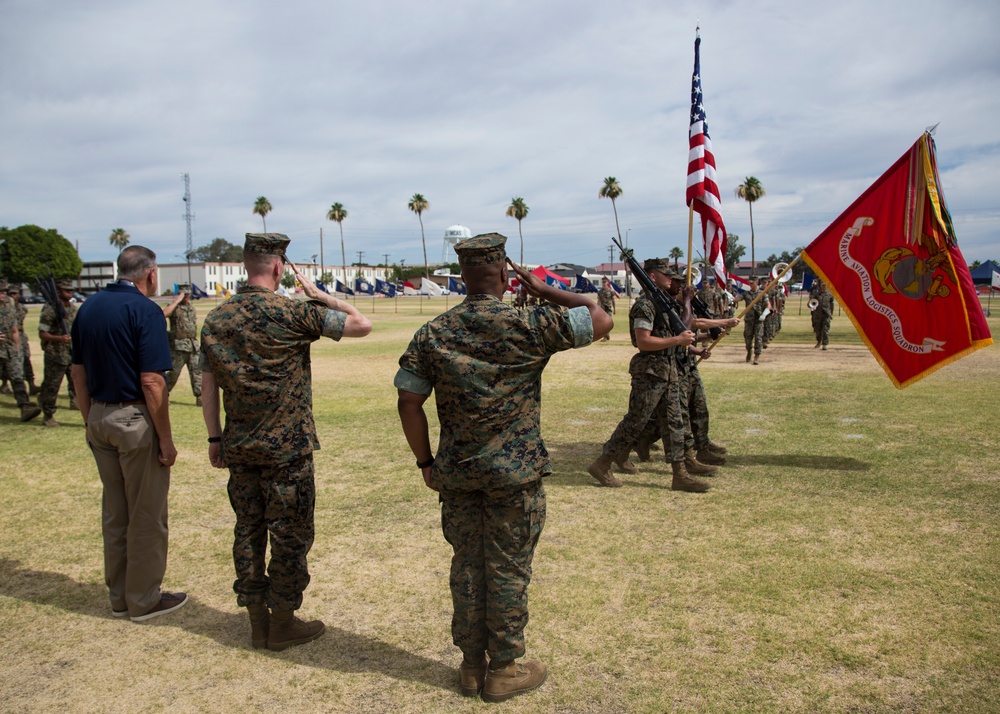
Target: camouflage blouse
[[48, 321], [257, 344], [183, 327], [658, 363], [484, 359]]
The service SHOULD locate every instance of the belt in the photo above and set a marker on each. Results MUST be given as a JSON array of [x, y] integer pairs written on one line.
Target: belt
[[123, 403]]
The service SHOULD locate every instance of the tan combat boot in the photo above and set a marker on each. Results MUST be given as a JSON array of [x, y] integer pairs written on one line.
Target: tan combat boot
[[625, 465], [473, 677], [717, 448], [707, 456], [748, 354], [29, 412], [695, 467], [50, 421], [514, 679], [601, 470], [286, 630], [642, 450], [260, 620], [684, 481]]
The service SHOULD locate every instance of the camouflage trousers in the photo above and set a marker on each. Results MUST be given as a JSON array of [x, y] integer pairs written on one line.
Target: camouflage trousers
[[660, 402], [182, 358], [770, 328], [27, 369], [821, 326], [493, 534], [55, 370], [753, 336], [11, 365], [697, 409], [276, 500]]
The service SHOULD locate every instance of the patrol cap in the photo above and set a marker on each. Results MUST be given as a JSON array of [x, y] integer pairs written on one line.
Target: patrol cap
[[184, 288], [3, 283], [484, 249], [64, 284], [661, 264], [267, 243]]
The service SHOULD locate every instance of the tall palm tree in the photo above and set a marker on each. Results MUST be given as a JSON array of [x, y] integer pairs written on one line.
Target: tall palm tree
[[119, 238], [262, 207], [518, 209], [750, 191], [612, 190], [337, 214], [418, 204], [676, 253]]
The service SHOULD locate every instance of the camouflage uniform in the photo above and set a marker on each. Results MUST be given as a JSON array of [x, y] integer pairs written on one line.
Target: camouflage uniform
[[491, 456], [256, 345], [656, 392], [822, 316], [27, 370], [606, 301], [183, 346], [58, 357], [11, 357], [771, 321], [753, 326]]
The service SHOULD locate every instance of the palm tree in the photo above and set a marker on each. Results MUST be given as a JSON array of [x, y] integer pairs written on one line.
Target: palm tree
[[119, 239], [337, 214], [518, 209], [418, 204], [262, 207], [612, 190], [676, 253], [751, 190]]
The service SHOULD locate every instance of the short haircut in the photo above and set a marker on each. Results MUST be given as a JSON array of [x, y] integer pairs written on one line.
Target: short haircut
[[257, 263], [135, 261]]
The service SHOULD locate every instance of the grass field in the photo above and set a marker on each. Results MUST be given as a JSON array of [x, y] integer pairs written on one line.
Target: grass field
[[847, 558]]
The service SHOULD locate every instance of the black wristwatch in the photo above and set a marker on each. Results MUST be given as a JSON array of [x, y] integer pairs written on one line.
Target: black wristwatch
[[214, 439], [425, 464]]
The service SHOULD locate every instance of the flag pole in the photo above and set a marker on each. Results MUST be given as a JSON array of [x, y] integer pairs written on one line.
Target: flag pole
[[690, 240], [760, 296]]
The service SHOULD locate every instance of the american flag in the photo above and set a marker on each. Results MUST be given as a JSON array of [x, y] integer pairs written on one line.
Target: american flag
[[702, 190]]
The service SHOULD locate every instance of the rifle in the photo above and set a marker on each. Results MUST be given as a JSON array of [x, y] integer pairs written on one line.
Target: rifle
[[701, 310], [47, 286], [663, 303]]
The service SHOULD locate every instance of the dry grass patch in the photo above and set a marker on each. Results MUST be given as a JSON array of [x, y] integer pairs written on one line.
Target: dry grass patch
[[847, 558]]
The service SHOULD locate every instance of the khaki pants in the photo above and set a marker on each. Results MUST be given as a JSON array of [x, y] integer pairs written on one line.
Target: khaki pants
[[134, 520]]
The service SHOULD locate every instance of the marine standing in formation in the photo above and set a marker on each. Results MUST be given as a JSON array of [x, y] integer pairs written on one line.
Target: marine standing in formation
[[656, 391], [54, 334], [483, 360], [184, 341], [120, 356], [12, 355], [255, 347], [27, 371], [606, 297], [753, 326], [822, 315]]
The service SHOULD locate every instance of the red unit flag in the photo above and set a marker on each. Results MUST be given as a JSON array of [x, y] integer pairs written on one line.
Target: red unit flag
[[892, 261]]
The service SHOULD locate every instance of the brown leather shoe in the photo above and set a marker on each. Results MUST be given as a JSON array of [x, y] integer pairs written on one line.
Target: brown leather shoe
[[167, 604], [473, 677], [514, 679]]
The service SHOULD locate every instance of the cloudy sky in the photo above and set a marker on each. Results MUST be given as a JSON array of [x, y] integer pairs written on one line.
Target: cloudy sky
[[106, 103]]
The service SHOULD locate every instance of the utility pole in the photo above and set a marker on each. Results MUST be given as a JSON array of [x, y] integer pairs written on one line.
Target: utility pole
[[611, 262], [321, 254], [188, 217], [386, 256]]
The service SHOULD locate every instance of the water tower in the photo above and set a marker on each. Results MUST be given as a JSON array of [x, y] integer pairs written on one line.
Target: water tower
[[452, 236]]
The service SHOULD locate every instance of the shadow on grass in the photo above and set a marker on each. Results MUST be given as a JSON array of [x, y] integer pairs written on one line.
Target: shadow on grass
[[337, 649], [571, 459], [799, 461]]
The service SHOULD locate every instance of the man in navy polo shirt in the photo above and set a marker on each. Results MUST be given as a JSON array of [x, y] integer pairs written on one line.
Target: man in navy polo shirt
[[120, 355]]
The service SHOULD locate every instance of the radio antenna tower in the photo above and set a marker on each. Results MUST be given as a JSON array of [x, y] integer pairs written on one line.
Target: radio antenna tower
[[188, 216]]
